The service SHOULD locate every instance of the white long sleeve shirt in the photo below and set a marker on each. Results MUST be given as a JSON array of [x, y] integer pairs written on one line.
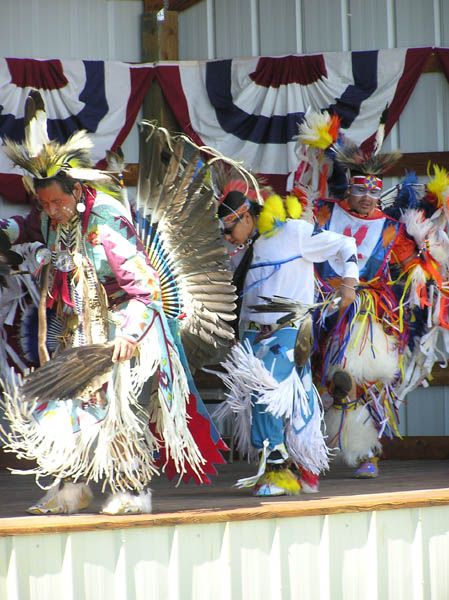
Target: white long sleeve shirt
[[282, 265]]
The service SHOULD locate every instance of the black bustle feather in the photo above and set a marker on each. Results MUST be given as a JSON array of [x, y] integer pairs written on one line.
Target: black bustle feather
[[8, 259]]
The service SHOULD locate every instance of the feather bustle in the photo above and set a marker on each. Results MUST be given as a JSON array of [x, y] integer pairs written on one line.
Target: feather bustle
[[179, 228]]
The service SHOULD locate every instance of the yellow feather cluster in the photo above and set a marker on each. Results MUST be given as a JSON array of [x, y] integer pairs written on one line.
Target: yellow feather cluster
[[284, 479], [272, 214], [276, 211], [439, 184], [294, 207], [315, 130]]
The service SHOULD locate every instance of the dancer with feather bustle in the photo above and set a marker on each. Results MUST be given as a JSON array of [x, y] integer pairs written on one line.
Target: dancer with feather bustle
[[277, 409], [423, 209], [160, 296], [368, 340]]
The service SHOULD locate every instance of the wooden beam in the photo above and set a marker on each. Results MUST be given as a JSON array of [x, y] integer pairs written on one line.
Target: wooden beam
[[174, 5], [433, 64], [431, 447], [418, 162], [160, 37], [411, 161], [440, 376], [269, 508], [159, 42]]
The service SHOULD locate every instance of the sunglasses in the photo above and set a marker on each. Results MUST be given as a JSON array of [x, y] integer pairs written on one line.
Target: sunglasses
[[361, 190], [230, 229]]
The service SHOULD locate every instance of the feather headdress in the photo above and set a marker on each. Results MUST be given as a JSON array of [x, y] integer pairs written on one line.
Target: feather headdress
[[317, 134], [354, 158], [361, 162], [438, 184], [228, 178], [318, 129], [43, 158]]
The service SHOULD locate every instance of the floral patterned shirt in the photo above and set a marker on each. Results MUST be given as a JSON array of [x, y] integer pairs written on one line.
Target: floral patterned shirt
[[112, 246]]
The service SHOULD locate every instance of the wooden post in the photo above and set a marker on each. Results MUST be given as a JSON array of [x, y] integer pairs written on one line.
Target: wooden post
[[159, 42]]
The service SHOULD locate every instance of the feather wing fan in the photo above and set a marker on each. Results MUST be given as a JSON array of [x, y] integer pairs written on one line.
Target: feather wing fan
[[75, 373], [176, 219]]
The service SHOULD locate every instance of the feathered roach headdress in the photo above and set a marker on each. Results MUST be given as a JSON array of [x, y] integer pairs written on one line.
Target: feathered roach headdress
[[318, 129], [366, 168], [316, 135], [359, 162], [43, 158], [227, 179]]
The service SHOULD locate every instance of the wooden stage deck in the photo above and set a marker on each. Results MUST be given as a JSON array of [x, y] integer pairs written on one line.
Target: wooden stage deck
[[402, 484], [221, 542]]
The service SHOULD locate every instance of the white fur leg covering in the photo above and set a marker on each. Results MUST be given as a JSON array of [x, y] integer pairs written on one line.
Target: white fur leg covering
[[357, 434], [68, 499], [371, 354], [126, 503]]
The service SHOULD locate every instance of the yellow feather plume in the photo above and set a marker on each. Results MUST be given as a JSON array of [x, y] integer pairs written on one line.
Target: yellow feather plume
[[319, 130], [272, 214], [439, 183], [294, 207]]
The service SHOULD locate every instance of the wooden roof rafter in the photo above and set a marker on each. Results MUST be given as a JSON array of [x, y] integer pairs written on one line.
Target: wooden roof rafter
[[173, 5]]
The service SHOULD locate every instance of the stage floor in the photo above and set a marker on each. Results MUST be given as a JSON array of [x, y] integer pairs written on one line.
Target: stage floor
[[396, 476]]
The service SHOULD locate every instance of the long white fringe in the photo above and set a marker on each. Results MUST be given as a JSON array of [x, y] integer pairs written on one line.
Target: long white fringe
[[432, 347], [246, 376], [309, 448], [119, 450], [171, 423], [238, 408]]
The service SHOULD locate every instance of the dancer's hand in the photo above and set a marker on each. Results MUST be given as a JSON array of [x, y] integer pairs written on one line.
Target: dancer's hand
[[123, 349], [346, 292]]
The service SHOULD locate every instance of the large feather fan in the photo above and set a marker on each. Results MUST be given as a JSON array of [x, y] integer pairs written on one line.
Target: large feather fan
[[75, 373], [176, 219]]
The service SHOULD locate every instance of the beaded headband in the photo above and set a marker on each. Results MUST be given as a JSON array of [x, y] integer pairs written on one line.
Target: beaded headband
[[235, 214], [371, 182]]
